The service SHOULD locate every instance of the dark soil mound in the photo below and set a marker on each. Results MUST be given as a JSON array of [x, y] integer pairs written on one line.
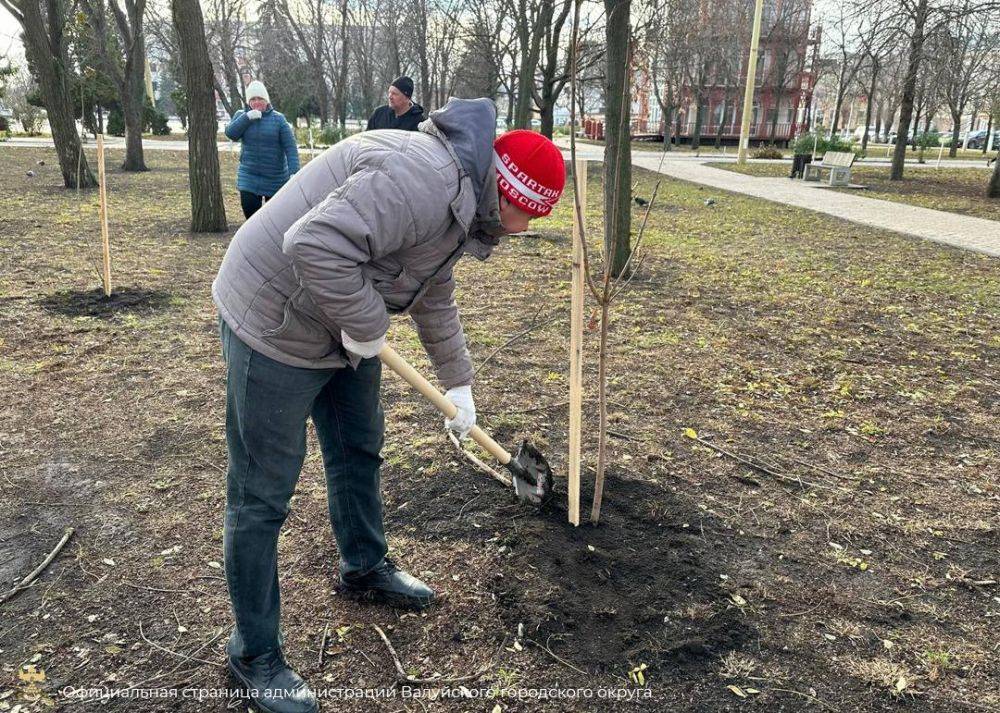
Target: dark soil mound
[[93, 303], [638, 588]]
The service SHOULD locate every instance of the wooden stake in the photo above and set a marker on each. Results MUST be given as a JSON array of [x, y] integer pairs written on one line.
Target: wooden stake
[[576, 354], [102, 193]]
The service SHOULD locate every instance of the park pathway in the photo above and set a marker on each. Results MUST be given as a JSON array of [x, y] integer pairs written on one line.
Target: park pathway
[[961, 231]]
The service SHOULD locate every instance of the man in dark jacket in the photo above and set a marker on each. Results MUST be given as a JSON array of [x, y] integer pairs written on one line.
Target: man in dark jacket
[[369, 228], [401, 112]]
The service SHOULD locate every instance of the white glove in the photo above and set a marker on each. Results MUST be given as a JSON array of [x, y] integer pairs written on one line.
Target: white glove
[[253, 115], [365, 350], [465, 419]]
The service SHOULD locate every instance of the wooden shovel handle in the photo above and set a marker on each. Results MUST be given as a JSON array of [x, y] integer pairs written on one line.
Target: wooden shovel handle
[[411, 376]]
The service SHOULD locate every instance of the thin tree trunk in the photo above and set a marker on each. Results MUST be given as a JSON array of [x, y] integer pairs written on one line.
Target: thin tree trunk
[[208, 211], [956, 120], [699, 119], [340, 97], [993, 189], [989, 133], [838, 104], [909, 91], [618, 148], [602, 395], [868, 108], [722, 122]]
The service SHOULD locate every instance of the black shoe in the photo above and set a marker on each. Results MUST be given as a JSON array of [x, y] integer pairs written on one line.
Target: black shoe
[[388, 584], [271, 685]]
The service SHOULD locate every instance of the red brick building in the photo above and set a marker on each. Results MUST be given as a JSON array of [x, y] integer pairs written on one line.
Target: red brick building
[[789, 51]]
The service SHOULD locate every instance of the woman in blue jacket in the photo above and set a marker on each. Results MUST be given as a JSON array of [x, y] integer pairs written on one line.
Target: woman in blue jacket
[[269, 154]]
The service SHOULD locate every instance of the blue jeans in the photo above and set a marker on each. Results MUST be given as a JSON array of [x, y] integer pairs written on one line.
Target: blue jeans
[[267, 405]]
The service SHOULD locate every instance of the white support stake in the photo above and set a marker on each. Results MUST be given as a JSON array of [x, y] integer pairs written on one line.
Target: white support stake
[[576, 353]]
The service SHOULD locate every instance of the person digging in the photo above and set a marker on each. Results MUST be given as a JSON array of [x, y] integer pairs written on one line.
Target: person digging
[[371, 227]]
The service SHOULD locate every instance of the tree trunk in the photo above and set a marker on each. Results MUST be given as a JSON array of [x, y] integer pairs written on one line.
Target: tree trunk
[[989, 133], [722, 122], [838, 104], [208, 212], [47, 50], [956, 120], [698, 121], [340, 97], [993, 190], [868, 108], [134, 98], [909, 91], [618, 148], [546, 116]]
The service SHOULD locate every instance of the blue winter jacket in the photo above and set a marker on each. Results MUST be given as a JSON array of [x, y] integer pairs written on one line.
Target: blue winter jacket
[[269, 154]]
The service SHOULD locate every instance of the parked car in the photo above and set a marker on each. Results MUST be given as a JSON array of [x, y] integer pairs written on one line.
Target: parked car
[[979, 139]]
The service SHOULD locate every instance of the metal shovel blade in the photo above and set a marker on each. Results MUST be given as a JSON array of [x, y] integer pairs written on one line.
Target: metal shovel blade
[[532, 475]]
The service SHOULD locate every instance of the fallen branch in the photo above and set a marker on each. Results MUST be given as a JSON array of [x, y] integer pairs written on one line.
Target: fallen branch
[[403, 677], [532, 327], [560, 660], [821, 469], [322, 643], [158, 676], [26, 582], [172, 652], [764, 469], [808, 697], [495, 474]]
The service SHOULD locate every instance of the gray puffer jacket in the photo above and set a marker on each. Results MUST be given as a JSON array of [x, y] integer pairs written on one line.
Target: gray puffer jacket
[[371, 227]]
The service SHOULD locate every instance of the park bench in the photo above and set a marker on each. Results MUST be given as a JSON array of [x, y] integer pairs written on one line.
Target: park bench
[[839, 163]]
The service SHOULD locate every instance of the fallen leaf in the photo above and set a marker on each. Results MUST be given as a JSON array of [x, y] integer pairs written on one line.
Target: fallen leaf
[[691, 433], [737, 690]]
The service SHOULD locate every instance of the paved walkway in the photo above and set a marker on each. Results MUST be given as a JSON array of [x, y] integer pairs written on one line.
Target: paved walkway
[[961, 231]]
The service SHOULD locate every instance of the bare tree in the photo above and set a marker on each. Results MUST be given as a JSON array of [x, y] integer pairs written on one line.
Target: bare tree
[[966, 44], [666, 46], [785, 39], [227, 40], [123, 59], [45, 47], [19, 89], [310, 31]]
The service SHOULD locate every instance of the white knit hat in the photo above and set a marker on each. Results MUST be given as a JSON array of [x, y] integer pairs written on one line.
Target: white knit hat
[[256, 88]]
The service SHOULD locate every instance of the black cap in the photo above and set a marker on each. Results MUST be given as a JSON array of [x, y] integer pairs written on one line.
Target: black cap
[[405, 85]]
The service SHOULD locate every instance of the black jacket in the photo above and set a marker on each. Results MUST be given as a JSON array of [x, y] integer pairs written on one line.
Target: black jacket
[[385, 118]]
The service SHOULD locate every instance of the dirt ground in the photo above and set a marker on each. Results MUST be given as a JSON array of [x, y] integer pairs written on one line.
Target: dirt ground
[[955, 190], [851, 567]]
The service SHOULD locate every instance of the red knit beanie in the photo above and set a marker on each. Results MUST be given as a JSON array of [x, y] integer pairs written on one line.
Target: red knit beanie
[[530, 171]]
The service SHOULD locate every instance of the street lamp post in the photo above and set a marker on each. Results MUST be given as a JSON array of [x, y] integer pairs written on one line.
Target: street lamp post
[[751, 79]]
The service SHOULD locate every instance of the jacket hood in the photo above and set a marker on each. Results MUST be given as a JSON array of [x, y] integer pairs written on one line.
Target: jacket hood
[[469, 126]]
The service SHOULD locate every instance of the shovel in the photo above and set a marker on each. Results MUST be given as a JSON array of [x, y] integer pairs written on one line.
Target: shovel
[[532, 475]]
